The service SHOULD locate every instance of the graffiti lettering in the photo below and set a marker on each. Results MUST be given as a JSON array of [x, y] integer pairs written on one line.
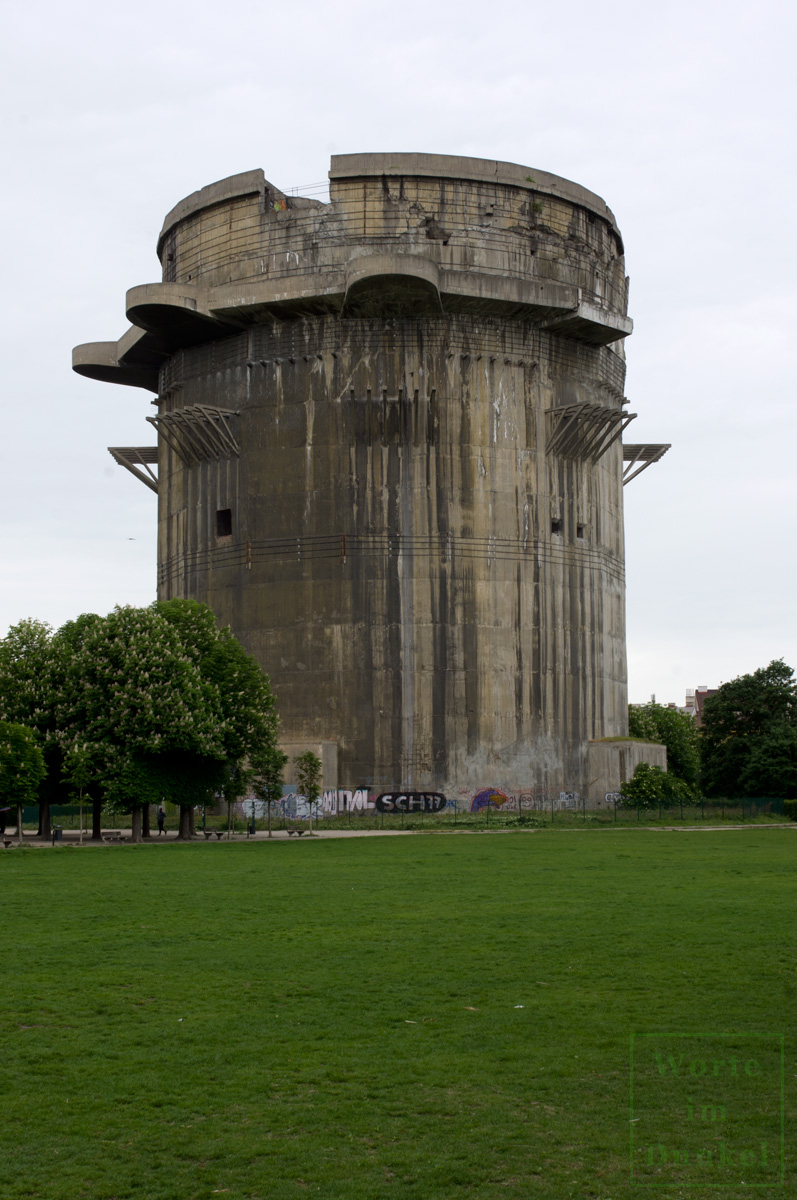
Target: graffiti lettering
[[342, 800], [408, 802]]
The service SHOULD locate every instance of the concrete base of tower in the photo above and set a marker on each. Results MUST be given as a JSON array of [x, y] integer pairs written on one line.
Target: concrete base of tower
[[612, 761], [530, 777]]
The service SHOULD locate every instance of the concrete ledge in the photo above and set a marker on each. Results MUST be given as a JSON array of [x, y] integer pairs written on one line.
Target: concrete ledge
[[597, 326], [100, 360], [401, 284], [176, 312], [138, 348], [500, 291], [231, 299], [146, 296]]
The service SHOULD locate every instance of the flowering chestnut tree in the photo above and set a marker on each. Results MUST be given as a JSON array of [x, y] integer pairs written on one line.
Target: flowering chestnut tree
[[155, 725], [245, 704], [163, 704]]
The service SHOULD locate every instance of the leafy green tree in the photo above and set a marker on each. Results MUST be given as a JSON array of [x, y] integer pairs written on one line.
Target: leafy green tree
[[25, 654], [308, 779], [650, 787], [675, 730], [135, 695], [27, 693], [21, 768], [245, 704], [66, 643], [268, 769], [749, 735], [172, 708], [78, 772]]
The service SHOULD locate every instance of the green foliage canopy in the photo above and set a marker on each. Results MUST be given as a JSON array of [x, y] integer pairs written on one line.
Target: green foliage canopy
[[141, 705], [651, 787], [268, 767], [308, 776], [133, 694], [675, 730], [21, 764], [244, 702], [27, 668], [749, 735]]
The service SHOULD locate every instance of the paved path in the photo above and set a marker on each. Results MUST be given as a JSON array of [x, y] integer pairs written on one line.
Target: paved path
[[71, 837]]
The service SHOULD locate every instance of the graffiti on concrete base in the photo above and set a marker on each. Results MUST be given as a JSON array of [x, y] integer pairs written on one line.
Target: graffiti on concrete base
[[360, 801], [342, 800], [537, 800], [408, 802], [488, 798]]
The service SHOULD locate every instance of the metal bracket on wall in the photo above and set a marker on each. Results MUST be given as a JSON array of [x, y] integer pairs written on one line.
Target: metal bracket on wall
[[131, 457], [198, 432], [585, 430], [640, 457]]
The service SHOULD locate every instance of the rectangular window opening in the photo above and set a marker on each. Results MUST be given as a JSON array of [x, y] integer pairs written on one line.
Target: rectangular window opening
[[581, 531], [556, 525], [224, 522]]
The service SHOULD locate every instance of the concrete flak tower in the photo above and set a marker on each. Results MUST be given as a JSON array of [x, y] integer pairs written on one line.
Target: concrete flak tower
[[390, 457]]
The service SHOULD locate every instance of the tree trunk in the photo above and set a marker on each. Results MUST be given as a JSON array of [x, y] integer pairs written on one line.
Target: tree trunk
[[191, 825], [96, 820], [269, 818], [184, 832], [145, 818], [136, 834], [44, 819], [19, 824]]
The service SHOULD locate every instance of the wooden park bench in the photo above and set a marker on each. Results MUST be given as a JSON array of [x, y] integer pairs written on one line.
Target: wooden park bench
[[114, 835]]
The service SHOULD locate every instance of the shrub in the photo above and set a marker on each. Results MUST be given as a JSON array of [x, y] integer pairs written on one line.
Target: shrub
[[651, 786]]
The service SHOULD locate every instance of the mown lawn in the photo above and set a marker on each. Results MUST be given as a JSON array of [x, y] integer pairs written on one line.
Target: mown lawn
[[341, 1018]]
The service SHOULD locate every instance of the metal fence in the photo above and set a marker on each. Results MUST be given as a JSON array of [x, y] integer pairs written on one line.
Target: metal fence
[[565, 808], [561, 807]]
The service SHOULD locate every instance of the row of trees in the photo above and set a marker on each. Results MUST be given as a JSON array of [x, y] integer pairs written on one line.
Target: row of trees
[[143, 705], [745, 748]]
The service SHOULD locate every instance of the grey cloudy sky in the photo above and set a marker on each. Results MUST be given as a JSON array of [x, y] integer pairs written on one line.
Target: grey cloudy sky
[[680, 115]]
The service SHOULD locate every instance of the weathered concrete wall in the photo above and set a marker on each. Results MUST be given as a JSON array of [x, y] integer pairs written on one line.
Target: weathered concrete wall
[[326, 751], [430, 586], [610, 764]]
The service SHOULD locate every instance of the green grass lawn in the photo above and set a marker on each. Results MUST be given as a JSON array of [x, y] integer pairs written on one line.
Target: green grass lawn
[[342, 1018]]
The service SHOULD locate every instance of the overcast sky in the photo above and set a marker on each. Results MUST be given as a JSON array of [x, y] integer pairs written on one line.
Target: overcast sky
[[682, 116]]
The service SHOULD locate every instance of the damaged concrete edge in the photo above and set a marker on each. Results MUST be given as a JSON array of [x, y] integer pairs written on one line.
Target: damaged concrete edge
[[451, 166], [247, 183]]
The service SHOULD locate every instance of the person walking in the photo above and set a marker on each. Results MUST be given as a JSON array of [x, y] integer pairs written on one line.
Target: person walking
[[161, 820]]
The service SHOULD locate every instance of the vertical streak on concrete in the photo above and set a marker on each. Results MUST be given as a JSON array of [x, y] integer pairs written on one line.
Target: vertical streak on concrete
[[408, 659]]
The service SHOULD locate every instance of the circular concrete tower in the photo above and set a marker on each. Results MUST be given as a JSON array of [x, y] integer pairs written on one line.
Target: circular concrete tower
[[389, 457]]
